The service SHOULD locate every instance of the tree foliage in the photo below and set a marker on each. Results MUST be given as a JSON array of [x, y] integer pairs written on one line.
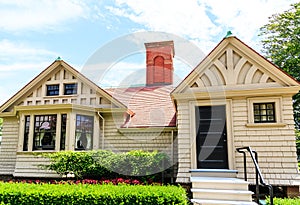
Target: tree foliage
[[281, 44]]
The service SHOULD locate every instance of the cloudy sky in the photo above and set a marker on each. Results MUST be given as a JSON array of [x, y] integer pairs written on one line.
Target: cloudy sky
[[33, 33]]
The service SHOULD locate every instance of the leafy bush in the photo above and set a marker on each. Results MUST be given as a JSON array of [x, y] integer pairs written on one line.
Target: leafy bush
[[285, 201], [23, 193], [81, 164], [103, 163]]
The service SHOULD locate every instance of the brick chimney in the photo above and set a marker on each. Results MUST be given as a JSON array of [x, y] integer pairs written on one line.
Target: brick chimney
[[159, 60]]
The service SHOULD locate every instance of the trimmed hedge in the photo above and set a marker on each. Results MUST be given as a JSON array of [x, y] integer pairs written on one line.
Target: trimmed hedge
[[24, 193], [104, 163], [285, 201]]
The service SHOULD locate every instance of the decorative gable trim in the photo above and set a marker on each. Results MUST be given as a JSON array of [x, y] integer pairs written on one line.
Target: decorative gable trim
[[51, 74], [233, 63]]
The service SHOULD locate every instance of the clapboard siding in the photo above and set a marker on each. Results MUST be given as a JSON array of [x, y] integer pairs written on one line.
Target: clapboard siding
[[28, 165], [184, 143], [119, 141], [276, 146], [9, 145]]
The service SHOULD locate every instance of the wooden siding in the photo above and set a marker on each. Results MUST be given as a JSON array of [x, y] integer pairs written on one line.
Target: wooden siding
[[276, 146], [184, 142], [9, 145], [28, 165], [139, 139]]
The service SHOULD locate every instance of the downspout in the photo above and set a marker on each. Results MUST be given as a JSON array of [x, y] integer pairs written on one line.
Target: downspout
[[103, 123]]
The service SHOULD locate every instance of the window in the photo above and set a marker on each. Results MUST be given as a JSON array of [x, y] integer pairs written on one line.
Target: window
[[26, 133], [84, 132], [264, 112], [44, 132], [70, 89], [63, 132], [52, 90]]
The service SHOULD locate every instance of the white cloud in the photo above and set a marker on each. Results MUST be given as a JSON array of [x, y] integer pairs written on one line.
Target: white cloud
[[205, 21], [12, 52], [39, 15]]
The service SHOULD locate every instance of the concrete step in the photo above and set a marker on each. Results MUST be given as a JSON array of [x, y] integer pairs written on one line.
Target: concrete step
[[220, 202], [225, 173], [221, 194], [219, 183]]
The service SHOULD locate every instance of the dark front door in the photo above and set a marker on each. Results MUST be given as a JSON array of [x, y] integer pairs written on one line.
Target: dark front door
[[211, 139]]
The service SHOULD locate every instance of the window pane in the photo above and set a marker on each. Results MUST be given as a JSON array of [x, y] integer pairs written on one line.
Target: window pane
[[70, 89], [26, 133], [52, 90], [264, 112], [44, 132], [63, 131], [84, 132]]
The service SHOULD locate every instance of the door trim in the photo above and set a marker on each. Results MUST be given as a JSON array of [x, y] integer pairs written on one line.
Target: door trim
[[229, 125]]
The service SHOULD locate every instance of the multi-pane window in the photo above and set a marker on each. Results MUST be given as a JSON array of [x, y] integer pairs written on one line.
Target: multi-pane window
[[84, 132], [63, 132], [70, 89], [26, 133], [52, 90], [44, 132], [264, 112]]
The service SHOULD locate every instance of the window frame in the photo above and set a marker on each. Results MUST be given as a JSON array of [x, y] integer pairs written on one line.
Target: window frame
[[73, 90], [277, 107], [49, 91], [263, 112], [41, 122], [79, 125]]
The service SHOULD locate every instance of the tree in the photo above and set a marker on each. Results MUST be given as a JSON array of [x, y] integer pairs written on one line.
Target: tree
[[281, 45]]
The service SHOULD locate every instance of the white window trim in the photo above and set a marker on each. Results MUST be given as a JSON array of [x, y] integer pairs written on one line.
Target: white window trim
[[278, 112]]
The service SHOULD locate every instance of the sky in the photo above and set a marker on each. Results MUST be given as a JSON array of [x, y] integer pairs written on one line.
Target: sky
[[33, 33]]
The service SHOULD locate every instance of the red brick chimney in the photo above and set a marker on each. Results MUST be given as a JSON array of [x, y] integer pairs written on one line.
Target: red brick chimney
[[159, 60]]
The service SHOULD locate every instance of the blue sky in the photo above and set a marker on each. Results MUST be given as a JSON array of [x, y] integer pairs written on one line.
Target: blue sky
[[33, 33]]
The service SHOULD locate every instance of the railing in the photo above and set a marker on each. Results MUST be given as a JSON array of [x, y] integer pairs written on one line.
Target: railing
[[258, 175]]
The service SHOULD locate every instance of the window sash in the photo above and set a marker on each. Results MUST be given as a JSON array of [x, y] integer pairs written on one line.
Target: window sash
[[264, 112], [70, 89], [84, 132], [52, 90], [44, 132]]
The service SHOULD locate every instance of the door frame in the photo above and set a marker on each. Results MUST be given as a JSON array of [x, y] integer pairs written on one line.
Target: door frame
[[229, 127]]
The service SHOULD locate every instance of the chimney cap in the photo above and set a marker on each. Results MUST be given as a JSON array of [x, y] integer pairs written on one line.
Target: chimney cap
[[161, 44]]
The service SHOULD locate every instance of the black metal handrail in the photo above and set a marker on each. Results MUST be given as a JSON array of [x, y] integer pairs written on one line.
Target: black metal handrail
[[258, 175]]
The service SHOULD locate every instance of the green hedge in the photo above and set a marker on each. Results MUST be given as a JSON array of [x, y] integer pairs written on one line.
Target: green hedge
[[285, 201], [104, 163], [24, 193]]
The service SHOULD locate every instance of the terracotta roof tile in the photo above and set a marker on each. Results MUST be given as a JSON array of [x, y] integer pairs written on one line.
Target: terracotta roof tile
[[152, 106]]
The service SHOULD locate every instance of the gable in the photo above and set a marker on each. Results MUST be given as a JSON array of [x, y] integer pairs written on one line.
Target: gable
[[61, 74], [233, 65]]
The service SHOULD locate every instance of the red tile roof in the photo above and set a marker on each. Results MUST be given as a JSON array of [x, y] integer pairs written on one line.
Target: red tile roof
[[152, 106]]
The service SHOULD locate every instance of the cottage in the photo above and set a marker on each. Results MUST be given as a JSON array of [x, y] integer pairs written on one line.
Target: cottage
[[233, 98]]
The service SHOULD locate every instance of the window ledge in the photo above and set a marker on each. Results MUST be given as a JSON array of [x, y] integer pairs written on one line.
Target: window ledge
[[276, 124]]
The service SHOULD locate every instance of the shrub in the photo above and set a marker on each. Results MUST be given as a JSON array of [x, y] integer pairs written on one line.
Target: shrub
[[103, 163], [23, 193], [285, 201]]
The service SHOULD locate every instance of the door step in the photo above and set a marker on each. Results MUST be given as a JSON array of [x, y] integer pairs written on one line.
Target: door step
[[220, 202], [220, 190], [214, 173]]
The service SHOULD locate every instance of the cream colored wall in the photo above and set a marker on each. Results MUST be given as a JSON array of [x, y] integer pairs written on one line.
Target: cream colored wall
[[274, 143], [9, 144], [126, 139]]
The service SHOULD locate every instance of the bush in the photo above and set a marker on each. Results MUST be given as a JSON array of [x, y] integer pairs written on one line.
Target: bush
[[81, 164], [23, 193], [103, 163], [285, 201]]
